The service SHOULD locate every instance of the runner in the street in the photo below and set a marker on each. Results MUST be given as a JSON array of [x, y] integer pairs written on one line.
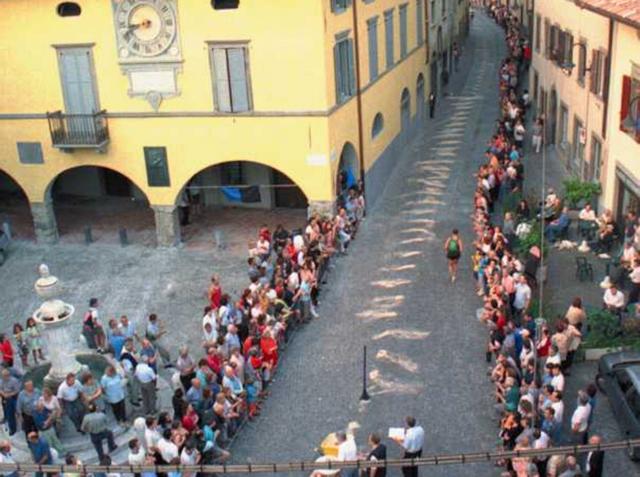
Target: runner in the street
[[453, 250]]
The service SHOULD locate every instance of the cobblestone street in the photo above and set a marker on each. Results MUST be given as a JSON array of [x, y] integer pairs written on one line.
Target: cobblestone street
[[391, 293], [426, 352]]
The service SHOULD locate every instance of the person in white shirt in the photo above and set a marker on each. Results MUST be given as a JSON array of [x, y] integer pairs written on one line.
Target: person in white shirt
[[541, 439], [151, 434], [7, 458], [587, 214], [189, 456], [347, 450], [558, 378], [634, 276], [137, 454], [412, 445], [558, 406], [168, 450], [613, 299], [580, 419], [147, 379], [70, 395]]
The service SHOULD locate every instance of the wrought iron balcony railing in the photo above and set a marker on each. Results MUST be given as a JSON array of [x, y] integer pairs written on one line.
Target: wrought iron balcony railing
[[75, 131]]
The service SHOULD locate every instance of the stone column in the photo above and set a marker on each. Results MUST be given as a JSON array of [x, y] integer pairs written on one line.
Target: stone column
[[167, 225], [322, 207], [44, 222]]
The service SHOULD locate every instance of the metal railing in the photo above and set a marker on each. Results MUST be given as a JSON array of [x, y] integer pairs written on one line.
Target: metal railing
[[78, 130], [309, 466]]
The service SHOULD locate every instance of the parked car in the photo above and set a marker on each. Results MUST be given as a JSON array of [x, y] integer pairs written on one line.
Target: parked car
[[619, 378], [4, 246]]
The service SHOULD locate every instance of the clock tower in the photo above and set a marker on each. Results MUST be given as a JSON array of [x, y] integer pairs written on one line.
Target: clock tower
[[148, 47]]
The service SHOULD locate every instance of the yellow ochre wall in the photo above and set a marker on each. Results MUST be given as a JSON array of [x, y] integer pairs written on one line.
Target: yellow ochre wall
[[623, 149], [287, 82]]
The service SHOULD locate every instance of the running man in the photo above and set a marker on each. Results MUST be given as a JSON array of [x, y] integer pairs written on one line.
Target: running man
[[453, 250]]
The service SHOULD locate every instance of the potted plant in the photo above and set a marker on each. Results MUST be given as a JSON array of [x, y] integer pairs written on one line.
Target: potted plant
[[604, 334], [577, 193]]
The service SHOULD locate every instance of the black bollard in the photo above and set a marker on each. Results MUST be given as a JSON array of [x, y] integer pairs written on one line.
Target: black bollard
[[365, 395], [88, 237], [124, 240]]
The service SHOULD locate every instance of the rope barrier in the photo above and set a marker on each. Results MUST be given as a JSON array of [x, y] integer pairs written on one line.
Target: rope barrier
[[274, 467]]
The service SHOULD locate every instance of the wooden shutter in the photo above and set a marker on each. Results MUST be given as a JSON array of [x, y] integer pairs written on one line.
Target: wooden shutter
[[220, 70], [373, 49], [351, 84], [594, 72], [547, 38], [560, 47], [77, 80], [626, 99], [568, 49], [238, 79], [388, 31], [338, 73], [419, 20], [403, 31]]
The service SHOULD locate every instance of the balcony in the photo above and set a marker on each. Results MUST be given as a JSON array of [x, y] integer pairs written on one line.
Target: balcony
[[79, 131]]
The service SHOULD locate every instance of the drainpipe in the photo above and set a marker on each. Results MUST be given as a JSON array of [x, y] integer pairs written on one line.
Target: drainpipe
[[605, 92], [356, 45]]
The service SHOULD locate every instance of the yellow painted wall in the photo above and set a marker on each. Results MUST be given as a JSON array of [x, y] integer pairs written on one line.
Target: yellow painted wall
[[292, 83], [623, 149], [594, 29], [383, 95], [286, 39]]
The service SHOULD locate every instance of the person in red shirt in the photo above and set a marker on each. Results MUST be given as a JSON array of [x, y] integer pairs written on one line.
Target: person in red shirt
[[7, 350], [214, 361], [190, 419], [215, 292], [269, 347]]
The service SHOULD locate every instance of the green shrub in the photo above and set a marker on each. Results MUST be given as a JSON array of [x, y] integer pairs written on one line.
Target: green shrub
[[577, 191]]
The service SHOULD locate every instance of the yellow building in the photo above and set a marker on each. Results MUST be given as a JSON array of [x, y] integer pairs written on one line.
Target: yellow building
[[583, 50], [147, 98]]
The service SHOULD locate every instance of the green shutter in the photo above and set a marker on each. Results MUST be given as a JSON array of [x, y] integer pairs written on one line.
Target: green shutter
[[338, 73], [351, 85]]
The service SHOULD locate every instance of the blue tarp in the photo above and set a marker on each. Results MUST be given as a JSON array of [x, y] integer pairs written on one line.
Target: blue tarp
[[232, 194]]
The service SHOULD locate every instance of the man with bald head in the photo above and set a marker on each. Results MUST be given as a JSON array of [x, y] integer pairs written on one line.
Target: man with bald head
[[9, 389], [27, 399], [594, 463]]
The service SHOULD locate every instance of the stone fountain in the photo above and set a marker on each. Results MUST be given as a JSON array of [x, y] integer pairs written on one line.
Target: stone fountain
[[54, 316]]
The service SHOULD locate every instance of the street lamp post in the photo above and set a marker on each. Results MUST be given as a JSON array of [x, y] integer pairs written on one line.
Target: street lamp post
[[365, 395]]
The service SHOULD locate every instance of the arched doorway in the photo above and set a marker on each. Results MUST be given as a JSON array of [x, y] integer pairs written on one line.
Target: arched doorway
[[225, 198], [552, 117], [103, 200], [348, 170], [405, 112], [420, 100], [14, 208]]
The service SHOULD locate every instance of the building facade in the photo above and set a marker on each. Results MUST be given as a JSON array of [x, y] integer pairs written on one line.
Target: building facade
[[149, 98], [584, 80]]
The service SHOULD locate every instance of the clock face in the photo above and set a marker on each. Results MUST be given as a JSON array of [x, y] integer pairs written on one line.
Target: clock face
[[146, 28]]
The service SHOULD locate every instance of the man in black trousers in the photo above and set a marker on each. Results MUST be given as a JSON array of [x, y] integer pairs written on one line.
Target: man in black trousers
[[594, 464], [432, 104]]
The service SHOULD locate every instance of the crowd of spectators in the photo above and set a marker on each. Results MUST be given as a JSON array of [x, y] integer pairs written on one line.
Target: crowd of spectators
[[529, 360]]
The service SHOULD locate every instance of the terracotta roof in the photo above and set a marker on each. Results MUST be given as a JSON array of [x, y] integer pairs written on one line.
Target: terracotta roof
[[625, 11]]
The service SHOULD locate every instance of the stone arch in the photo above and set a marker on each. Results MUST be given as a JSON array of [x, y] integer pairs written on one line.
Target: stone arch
[[405, 110], [348, 172], [99, 197], [420, 97], [552, 117], [14, 207]]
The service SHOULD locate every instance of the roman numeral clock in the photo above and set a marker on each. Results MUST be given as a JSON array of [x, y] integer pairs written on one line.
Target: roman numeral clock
[[148, 47]]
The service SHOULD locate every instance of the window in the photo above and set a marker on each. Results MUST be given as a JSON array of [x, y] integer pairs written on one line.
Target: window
[[419, 22], [225, 4], [232, 91], [403, 30], [582, 62], [339, 6], [378, 125], [372, 31], [344, 70], [598, 66], [579, 142], [538, 26], [30, 153], [623, 379], [388, 37], [564, 48], [232, 173], [443, 4], [595, 161], [547, 38], [554, 40], [564, 125], [630, 107], [69, 9]]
